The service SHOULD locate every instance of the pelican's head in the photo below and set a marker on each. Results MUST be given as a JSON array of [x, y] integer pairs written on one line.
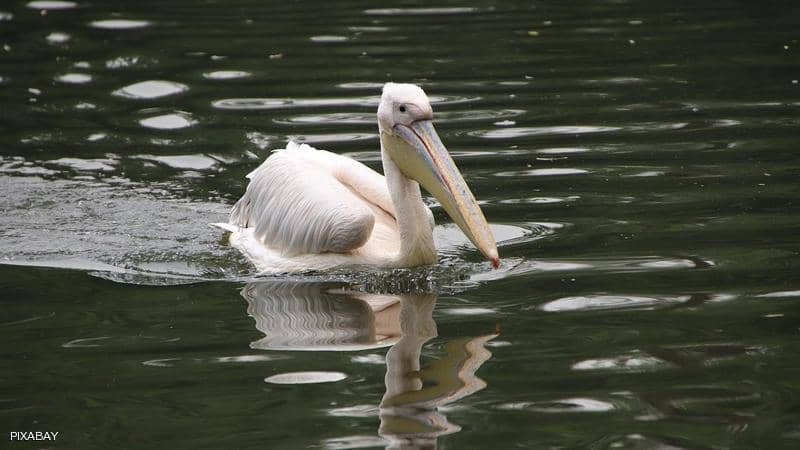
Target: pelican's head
[[409, 139]]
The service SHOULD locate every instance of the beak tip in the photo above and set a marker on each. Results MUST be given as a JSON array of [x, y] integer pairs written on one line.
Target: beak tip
[[495, 259]]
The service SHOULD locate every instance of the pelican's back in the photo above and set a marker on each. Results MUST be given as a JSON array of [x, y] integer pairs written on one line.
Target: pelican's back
[[299, 201]]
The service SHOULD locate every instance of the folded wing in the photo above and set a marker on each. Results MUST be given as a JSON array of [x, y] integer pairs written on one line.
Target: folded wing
[[302, 200]]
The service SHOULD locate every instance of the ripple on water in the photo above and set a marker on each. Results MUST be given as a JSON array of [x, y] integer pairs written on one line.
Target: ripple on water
[[85, 342], [246, 358], [615, 80], [655, 126], [647, 173], [305, 377], [351, 442], [57, 37], [700, 400], [88, 236], [360, 85], [4, 16], [122, 62], [561, 150], [27, 320], [567, 405], [369, 118], [260, 140], [287, 103], [182, 162], [168, 121], [712, 354], [475, 115], [450, 239], [332, 118], [355, 411], [171, 362], [86, 165], [332, 137], [369, 359], [119, 24], [226, 74], [368, 29], [51, 4], [669, 264], [418, 11], [163, 362], [467, 311], [74, 78], [151, 89], [515, 267], [611, 302], [780, 294], [542, 172], [522, 267], [635, 361], [538, 200], [328, 38], [517, 132], [122, 342], [19, 166], [292, 103]]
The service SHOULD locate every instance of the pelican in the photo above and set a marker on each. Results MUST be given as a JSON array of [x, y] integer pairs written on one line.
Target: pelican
[[307, 209]]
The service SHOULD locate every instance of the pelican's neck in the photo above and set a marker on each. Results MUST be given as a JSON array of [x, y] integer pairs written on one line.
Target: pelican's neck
[[413, 217]]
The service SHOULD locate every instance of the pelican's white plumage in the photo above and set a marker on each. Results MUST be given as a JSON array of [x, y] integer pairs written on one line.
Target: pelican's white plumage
[[308, 209], [312, 209], [337, 199]]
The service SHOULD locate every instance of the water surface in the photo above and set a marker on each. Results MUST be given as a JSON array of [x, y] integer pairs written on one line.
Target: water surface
[[637, 160]]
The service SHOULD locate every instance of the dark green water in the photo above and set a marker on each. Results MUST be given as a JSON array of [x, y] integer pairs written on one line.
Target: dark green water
[[638, 160]]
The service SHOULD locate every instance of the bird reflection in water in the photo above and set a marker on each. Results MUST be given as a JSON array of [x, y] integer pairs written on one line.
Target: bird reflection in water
[[326, 317]]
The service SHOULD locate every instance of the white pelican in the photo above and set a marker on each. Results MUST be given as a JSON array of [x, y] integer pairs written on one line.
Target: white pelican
[[308, 209]]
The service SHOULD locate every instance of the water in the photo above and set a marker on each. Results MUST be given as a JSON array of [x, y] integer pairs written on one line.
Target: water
[[638, 161]]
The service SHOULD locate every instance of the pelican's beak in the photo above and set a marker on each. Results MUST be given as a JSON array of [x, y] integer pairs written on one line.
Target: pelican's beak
[[419, 153]]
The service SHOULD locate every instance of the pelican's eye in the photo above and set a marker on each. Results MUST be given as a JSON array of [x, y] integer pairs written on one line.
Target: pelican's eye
[[402, 108]]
